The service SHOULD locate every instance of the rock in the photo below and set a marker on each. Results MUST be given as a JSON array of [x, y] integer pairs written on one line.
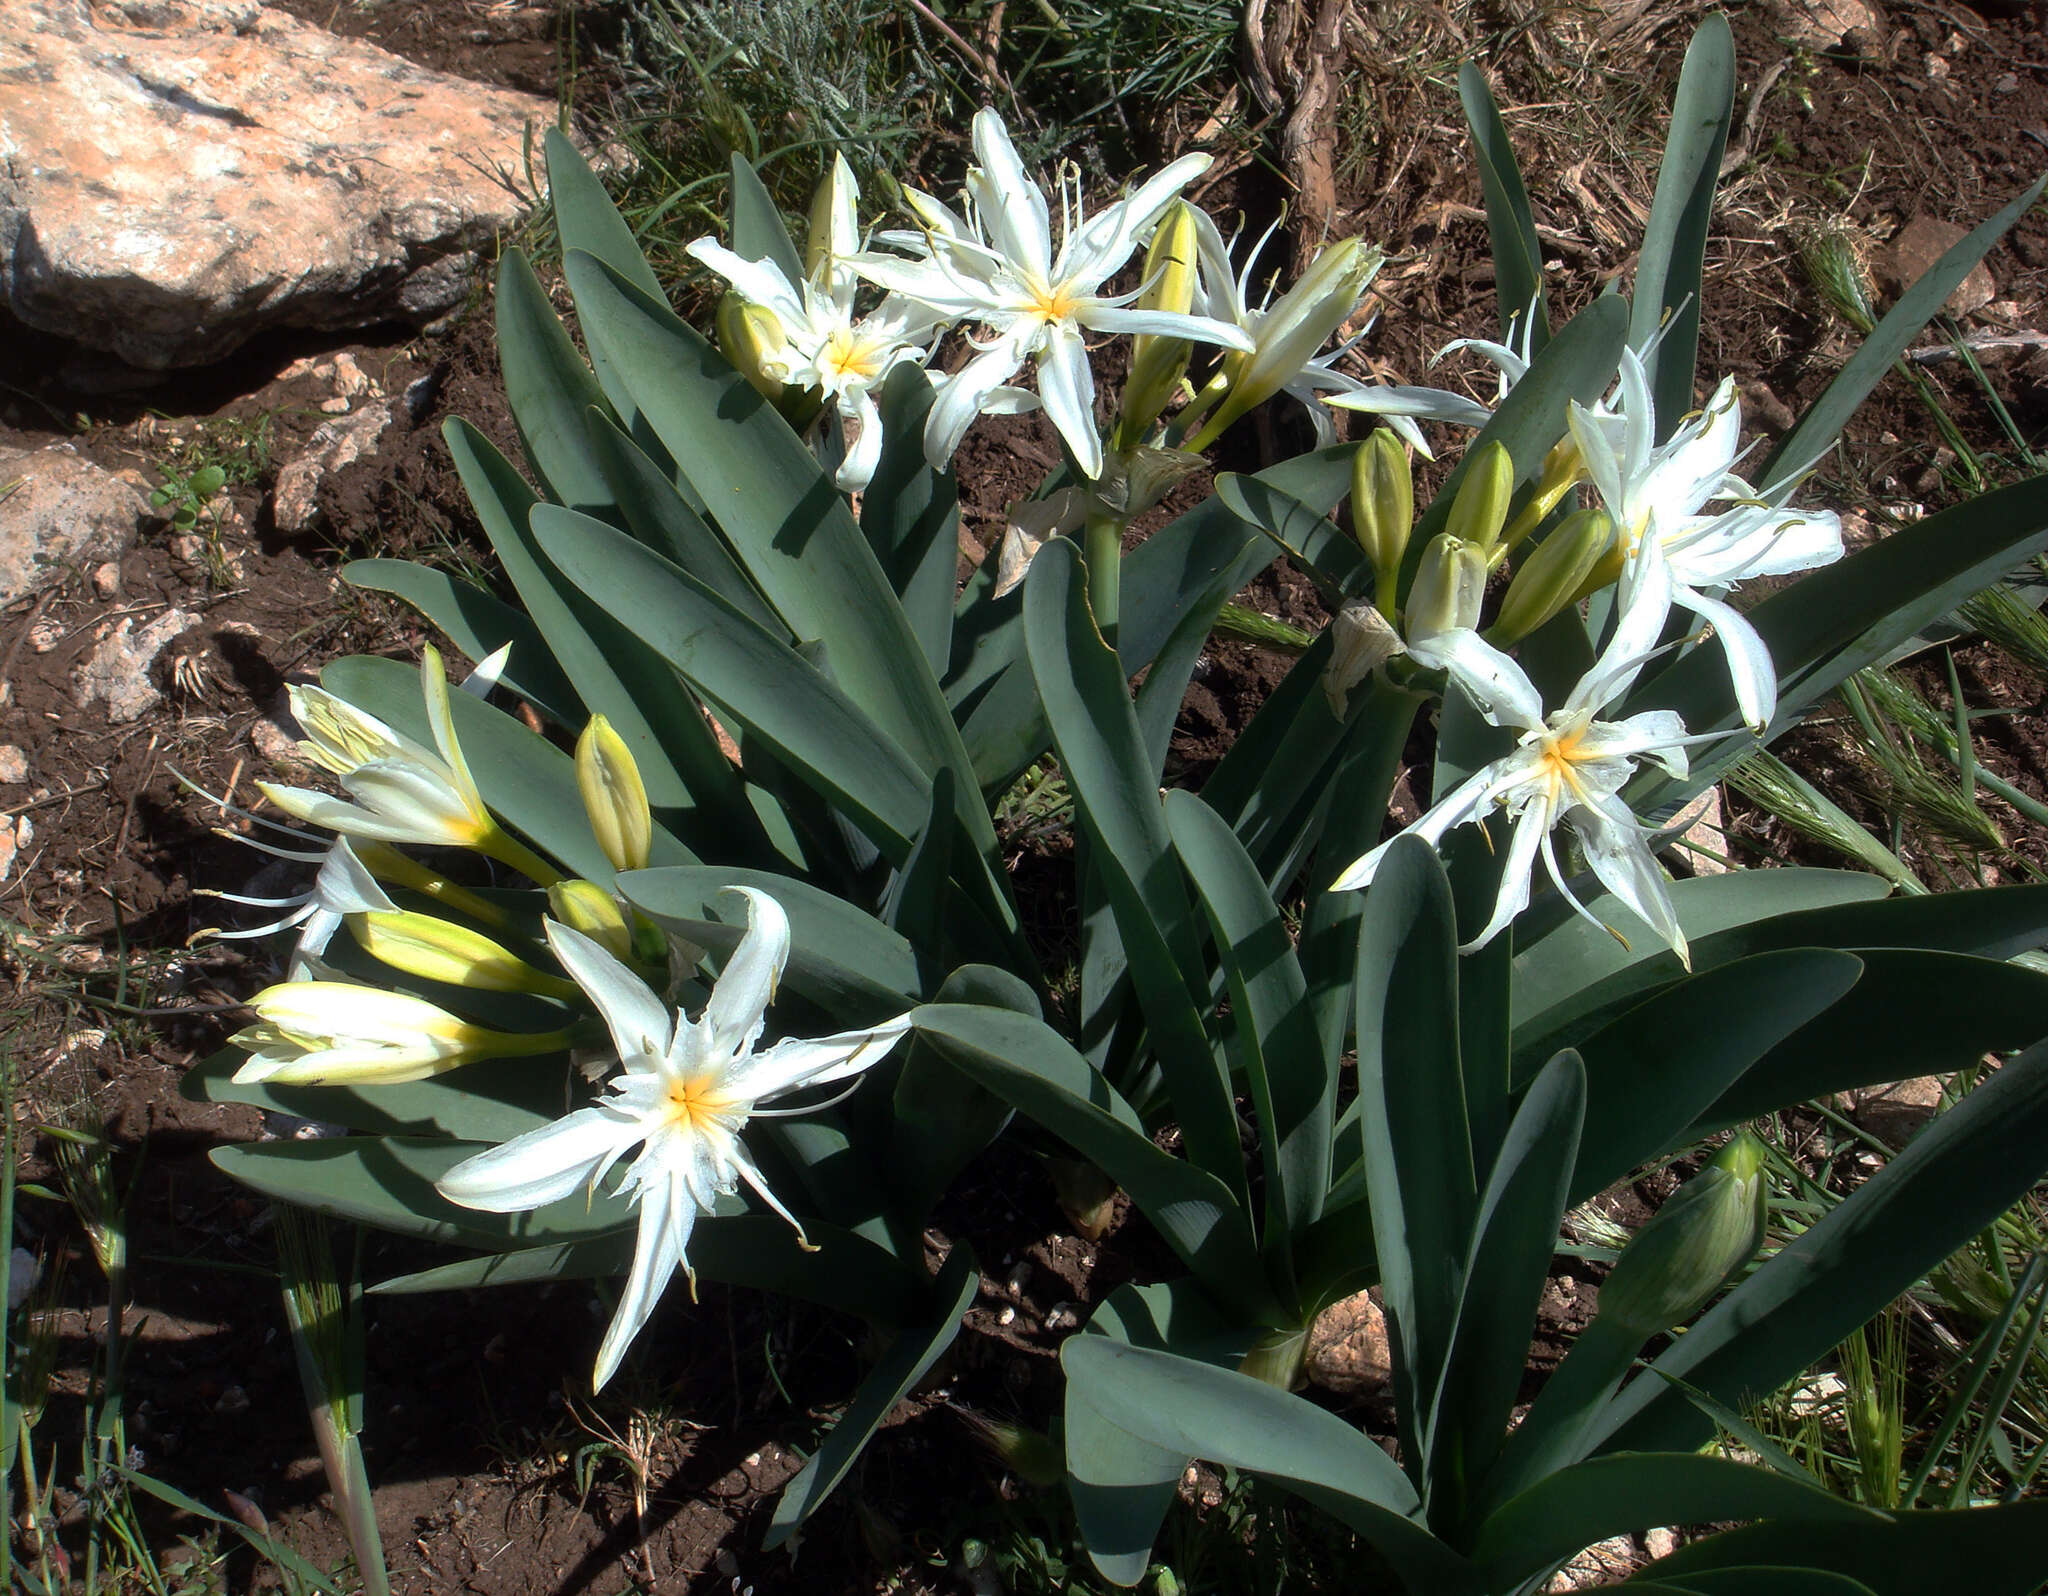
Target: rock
[[13, 766], [270, 738], [64, 511], [1347, 1347], [1702, 834], [118, 672], [106, 579], [1768, 410], [295, 504], [1896, 1112], [1822, 24], [1608, 1562], [15, 835], [1915, 248], [178, 175]]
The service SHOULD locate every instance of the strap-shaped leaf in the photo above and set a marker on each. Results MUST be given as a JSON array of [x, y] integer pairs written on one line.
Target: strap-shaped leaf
[[758, 230], [1953, 1179], [783, 519], [586, 219], [1655, 1069], [479, 623], [387, 1182], [1095, 729], [528, 782], [1510, 227], [613, 673], [911, 515], [914, 1351], [1890, 1028], [1180, 1404], [1036, 1072], [1165, 687], [1995, 1550], [1822, 424], [491, 1103], [1588, 1502], [1749, 1579], [942, 1119], [1423, 1190], [1293, 1087], [551, 391], [813, 727], [1664, 317], [1513, 1239], [844, 960]]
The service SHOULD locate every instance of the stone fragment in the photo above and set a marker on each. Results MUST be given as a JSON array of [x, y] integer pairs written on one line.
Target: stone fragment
[[13, 766], [178, 175], [276, 744], [1894, 1113], [62, 511], [15, 835], [1823, 24], [1607, 1562], [1915, 248], [118, 673], [106, 579], [295, 503], [1702, 834], [1347, 1347]]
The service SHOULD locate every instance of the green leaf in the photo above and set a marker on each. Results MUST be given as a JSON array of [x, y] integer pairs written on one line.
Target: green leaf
[[942, 1119], [1822, 424], [785, 522], [1631, 1491], [491, 1102], [1181, 1405], [1511, 228], [911, 514], [1656, 1068], [1564, 973], [1095, 729], [271, 1550], [1751, 1579], [479, 623], [1951, 1181], [1165, 687], [758, 230], [388, 1182], [912, 1353], [1293, 1086], [802, 715], [2000, 1547], [844, 960], [1033, 1069], [551, 391], [1664, 319], [613, 673], [587, 220], [528, 782], [1422, 1188], [1513, 1240], [1893, 1027]]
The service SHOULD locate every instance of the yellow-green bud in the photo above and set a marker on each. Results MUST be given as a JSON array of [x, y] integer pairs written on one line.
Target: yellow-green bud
[[441, 950], [585, 906], [1554, 571], [1383, 509], [614, 797], [1709, 1228], [749, 336], [1362, 640], [1481, 508], [1563, 469], [835, 218], [1158, 362], [1450, 585]]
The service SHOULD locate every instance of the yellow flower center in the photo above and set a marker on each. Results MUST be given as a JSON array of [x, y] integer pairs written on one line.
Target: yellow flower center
[[1560, 754], [848, 356], [1056, 303], [696, 1103]]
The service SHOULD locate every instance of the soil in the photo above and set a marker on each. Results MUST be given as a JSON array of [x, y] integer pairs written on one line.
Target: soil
[[492, 1475]]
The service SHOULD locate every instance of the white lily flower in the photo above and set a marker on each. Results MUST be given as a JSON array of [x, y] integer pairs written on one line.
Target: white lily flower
[[342, 886], [1404, 404], [1569, 765], [335, 1032], [1657, 494], [686, 1091], [999, 269]]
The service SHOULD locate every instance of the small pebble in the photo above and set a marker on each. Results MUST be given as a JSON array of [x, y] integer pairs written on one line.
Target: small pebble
[[337, 406], [106, 580], [13, 765], [45, 635]]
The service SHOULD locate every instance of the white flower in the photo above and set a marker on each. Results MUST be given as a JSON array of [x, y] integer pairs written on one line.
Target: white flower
[[1569, 765], [403, 792], [335, 1032], [1402, 404], [1657, 493], [342, 886], [687, 1089], [999, 269]]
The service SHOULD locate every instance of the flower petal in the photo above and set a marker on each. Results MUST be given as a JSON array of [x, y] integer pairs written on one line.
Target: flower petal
[[1496, 684], [667, 1216], [641, 1024], [797, 1062], [1066, 387], [1530, 829], [1750, 669], [1620, 856], [737, 1013], [542, 1166], [1012, 207]]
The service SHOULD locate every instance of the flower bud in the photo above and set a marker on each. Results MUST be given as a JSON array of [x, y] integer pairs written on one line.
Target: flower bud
[[1555, 569], [750, 337], [1710, 1227], [1362, 640], [1481, 508], [585, 906], [1563, 469], [1450, 585], [441, 950], [614, 797], [1383, 509], [1289, 334], [335, 1033], [1157, 361], [835, 219]]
